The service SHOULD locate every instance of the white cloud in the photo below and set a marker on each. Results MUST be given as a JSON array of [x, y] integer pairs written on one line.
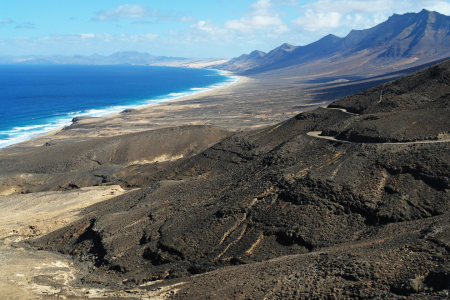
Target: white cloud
[[261, 6], [254, 22], [349, 6], [316, 21], [87, 35], [323, 15], [373, 7], [265, 25], [201, 26], [125, 11], [326, 15], [261, 17], [139, 12], [285, 2], [149, 36], [441, 7], [206, 31]]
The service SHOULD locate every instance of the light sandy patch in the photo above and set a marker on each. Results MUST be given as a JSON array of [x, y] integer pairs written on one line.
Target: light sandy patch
[[35, 214], [161, 158], [200, 64], [209, 93], [28, 274], [32, 274]]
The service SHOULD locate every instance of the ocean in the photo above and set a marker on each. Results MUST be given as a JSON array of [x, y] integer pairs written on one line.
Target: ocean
[[36, 99]]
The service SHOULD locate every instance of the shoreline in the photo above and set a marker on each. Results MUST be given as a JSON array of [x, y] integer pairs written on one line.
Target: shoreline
[[191, 94], [208, 92]]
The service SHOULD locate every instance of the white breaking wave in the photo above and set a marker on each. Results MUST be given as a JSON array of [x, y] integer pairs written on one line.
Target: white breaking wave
[[23, 133]]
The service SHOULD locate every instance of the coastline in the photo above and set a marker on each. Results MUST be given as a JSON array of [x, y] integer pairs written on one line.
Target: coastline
[[205, 93], [35, 139], [252, 103]]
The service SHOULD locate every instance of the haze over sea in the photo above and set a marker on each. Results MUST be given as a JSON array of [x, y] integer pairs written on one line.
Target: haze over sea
[[35, 99]]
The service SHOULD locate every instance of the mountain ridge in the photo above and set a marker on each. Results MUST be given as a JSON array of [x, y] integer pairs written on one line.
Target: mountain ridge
[[402, 41]]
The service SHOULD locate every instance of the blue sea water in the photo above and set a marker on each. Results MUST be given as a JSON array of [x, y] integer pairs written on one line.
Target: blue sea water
[[35, 99]]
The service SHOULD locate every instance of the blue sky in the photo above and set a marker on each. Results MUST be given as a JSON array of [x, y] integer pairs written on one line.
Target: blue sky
[[195, 28]]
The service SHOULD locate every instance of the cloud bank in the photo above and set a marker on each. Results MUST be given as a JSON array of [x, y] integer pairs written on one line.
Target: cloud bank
[[263, 25]]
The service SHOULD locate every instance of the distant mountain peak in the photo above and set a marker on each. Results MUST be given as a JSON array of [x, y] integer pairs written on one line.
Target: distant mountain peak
[[125, 57], [257, 52], [287, 47], [331, 37]]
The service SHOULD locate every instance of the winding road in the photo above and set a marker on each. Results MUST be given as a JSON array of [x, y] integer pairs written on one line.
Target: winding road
[[317, 134]]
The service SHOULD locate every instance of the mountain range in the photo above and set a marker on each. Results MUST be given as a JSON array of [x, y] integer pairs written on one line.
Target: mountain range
[[403, 41], [128, 57]]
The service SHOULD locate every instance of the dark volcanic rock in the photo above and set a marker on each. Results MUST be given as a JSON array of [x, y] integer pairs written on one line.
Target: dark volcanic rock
[[413, 108], [105, 160], [277, 214], [128, 111]]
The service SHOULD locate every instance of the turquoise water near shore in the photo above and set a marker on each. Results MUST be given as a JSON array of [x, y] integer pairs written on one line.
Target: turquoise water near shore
[[35, 99]]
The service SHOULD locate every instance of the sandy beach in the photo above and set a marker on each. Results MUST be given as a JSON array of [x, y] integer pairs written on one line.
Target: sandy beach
[[232, 107], [253, 102]]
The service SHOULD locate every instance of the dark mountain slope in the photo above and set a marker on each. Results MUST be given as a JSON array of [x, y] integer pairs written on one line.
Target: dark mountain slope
[[298, 55], [417, 104], [405, 35], [244, 61], [278, 53], [284, 56], [366, 219], [402, 41], [88, 163]]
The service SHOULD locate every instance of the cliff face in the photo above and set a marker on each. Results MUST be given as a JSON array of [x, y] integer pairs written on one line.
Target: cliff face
[[282, 213], [401, 41]]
